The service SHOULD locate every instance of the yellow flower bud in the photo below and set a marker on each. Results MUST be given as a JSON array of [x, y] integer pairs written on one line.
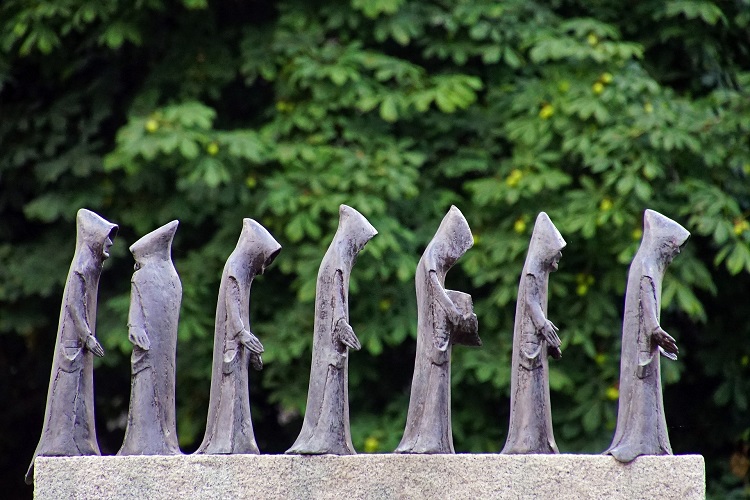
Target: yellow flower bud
[[546, 111], [251, 182], [648, 108], [606, 205], [514, 178], [612, 393], [212, 149], [740, 226], [598, 88], [519, 226], [151, 125], [592, 39], [637, 234], [606, 78], [371, 444]]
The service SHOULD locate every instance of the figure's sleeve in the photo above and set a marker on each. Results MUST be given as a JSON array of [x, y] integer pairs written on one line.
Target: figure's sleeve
[[648, 304], [439, 294], [339, 310], [137, 332], [534, 303], [78, 309], [233, 303]]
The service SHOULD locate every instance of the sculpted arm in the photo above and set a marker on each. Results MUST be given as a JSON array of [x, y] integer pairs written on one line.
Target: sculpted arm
[[543, 326], [343, 330], [667, 344], [137, 333], [454, 315], [79, 314], [234, 317]]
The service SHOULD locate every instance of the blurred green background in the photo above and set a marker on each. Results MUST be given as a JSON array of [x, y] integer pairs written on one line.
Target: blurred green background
[[210, 111]]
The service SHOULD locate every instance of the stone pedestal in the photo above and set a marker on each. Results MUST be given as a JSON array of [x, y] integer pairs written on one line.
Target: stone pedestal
[[389, 476]]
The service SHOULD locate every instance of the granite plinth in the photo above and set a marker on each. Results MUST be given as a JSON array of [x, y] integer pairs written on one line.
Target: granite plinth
[[386, 476]]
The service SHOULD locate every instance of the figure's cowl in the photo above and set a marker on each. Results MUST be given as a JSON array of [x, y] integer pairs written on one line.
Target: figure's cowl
[[659, 230], [156, 244], [95, 232], [357, 228], [546, 243], [256, 240], [453, 238]]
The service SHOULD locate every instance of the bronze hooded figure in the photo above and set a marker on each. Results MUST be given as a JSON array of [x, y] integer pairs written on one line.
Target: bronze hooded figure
[[326, 425], [444, 318], [155, 297], [229, 428], [534, 338], [641, 424], [69, 427]]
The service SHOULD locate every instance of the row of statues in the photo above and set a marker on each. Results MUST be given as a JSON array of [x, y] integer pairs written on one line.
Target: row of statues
[[445, 318]]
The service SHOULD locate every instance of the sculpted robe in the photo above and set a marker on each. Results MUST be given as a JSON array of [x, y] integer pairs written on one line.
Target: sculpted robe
[[641, 424], [444, 317], [155, 297], [534, 337], [229, 428], [69, 428], [326, 425]]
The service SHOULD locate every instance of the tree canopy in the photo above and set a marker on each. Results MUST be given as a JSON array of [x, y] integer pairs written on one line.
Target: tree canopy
[[209, 112]]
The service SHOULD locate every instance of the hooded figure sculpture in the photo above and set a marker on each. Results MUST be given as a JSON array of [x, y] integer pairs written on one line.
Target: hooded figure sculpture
[[444, 318], [69, 428], [534, 338], [229, 428], [641, 424], [155, 297], [326, 425]]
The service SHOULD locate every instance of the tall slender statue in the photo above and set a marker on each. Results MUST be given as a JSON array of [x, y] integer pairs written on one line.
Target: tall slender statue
[[326, 425], [155, 297], [534, 338], [641, 424], [69, 427], [229, 428], [445, 317]]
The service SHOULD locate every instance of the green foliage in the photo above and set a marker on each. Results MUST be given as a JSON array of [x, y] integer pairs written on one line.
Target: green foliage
[[210, 112]]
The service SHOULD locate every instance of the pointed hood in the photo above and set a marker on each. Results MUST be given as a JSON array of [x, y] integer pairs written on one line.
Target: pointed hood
[[256, 240], [453, 238], [157, 243], [546, 243], [93, 231], [659, 230], [356, 227]]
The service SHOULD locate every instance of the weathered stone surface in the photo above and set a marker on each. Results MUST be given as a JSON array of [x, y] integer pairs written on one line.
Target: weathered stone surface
[[369, 476]]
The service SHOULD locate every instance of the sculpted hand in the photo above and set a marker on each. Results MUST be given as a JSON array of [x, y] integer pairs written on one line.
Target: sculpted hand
[[549, 332], [251, 342], [93, 345], [346, 336], [666, 342], [138, 336], [256, 361]]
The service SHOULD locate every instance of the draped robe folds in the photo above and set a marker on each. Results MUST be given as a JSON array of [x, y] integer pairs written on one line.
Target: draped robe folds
[[428, 422], [325, 429], [229, 427], [156, 294], [641, 422], [69, 428], [530, 429]]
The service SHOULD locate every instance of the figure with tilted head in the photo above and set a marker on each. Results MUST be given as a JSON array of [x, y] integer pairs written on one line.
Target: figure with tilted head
[[326, 425], [641, 424], [534, 339], [229, 428], [69, 428], [155, 297], [444, 317]]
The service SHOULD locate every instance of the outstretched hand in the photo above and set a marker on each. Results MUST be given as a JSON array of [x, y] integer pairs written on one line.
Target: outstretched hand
[[94, 346], [666, 342], [346, 335], [549, 332], [251, 342], [139, 337]]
